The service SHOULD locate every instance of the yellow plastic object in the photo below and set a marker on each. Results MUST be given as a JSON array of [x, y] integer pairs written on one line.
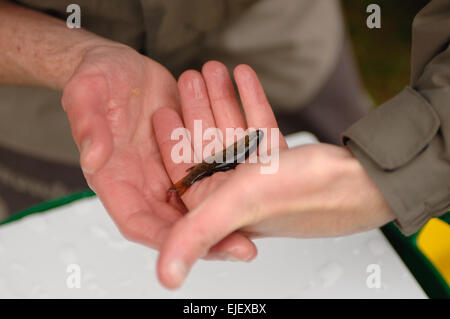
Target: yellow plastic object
[[434, 242]]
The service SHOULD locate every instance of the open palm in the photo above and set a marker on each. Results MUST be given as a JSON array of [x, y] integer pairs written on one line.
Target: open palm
[[110, 100]]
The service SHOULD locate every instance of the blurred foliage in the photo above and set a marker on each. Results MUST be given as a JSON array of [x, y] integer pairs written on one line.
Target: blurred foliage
[[383, 54]]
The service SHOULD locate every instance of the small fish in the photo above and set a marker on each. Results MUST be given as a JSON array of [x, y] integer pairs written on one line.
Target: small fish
[[222, 161]]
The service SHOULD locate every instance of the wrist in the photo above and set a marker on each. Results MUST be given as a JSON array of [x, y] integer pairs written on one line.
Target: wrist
[[334, 194], [77, 53], [361, 200]]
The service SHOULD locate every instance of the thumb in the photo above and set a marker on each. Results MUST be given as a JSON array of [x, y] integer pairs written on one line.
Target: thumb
[[83, 100], [224, 212]]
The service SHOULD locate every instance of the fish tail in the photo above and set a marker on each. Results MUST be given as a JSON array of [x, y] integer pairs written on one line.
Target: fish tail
[[179, 188]]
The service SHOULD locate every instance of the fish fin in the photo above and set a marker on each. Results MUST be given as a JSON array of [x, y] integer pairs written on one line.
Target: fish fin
[[178, 188]]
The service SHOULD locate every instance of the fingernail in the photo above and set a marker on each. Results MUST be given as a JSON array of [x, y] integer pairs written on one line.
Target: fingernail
[[229, 257], [249, 258], [236, 255], [225, 257], [178, 271]]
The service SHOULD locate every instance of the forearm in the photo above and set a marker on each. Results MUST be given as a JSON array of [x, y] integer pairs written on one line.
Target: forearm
[[404, 143], [39, 50]]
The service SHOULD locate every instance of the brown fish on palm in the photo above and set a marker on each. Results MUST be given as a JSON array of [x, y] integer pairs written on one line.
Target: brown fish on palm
[[222, 161]]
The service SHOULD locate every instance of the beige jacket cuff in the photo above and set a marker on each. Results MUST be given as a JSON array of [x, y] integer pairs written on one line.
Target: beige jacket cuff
[[400, 146]]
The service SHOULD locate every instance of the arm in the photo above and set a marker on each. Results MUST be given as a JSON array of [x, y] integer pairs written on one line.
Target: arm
[[404, 145], [109, 93], [39, 50]]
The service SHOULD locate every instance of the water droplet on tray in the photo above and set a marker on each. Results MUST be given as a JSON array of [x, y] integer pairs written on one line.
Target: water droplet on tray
[[17, 267], [330, 273], [99, 232], [376, 246], [68, 255]]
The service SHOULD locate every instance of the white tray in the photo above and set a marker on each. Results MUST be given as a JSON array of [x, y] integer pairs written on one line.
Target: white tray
[[36, 251]]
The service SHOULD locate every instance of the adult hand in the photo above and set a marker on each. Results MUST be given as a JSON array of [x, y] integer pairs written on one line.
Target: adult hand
[[110, 99], [318, 191]]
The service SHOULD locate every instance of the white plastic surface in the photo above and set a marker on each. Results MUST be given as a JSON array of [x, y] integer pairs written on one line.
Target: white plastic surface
[[36, 251]]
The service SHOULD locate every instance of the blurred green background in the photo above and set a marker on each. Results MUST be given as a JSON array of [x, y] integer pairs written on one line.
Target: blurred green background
[[383, 55]]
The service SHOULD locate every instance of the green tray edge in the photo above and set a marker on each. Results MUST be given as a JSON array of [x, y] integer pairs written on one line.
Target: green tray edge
[[430, 280], [44, 206], [426, 274]]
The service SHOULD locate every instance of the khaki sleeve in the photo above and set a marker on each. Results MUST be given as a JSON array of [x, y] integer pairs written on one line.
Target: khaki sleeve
[[404, 144]]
